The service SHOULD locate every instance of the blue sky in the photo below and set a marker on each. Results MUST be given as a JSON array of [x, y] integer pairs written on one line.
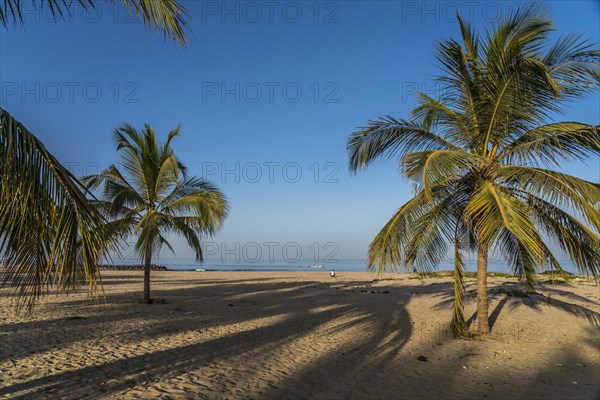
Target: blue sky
[[264, 91]]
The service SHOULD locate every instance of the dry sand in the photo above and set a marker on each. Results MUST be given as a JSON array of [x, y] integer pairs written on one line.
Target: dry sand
[[300, 336]]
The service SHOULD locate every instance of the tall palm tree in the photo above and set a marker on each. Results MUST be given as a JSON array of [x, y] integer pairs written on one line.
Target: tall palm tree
[[167, 16], [50, 235], [481, 156], [152, 196]]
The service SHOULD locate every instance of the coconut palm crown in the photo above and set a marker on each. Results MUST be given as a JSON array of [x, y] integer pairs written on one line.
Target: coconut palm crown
[[483, 157], [151, 196]]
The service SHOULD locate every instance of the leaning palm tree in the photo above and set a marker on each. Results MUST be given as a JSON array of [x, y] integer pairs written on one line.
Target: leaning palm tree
[[167, 16], [152, 197], [482, 155]]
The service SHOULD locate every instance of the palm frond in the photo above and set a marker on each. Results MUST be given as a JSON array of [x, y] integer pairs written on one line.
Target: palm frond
[[433, 113], [552, 143], [50, 235], [575, 65], [428, 244], [209, 209], [458, 315], [522, 260], [578, 241], [385, 251], [495, 212], [167, 16], [391, 137], [560, 189], [437, 167]]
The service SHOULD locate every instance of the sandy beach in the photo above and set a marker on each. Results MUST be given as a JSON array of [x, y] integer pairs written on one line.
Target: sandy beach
[[301, 336]]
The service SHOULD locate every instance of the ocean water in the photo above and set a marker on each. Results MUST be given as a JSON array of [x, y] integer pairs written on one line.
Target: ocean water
[[189, 264], [182, 264]]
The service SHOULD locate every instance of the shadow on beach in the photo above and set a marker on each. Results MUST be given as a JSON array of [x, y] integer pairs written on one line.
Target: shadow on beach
[[253, 338]]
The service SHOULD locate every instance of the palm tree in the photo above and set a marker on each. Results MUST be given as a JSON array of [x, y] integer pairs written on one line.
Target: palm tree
[[152, 196], [50, 235], [481, 157], [167, 16]]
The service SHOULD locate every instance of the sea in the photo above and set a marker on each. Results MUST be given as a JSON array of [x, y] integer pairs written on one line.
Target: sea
[[189, 264]]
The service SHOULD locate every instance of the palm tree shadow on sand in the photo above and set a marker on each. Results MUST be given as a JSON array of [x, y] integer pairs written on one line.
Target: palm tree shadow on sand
[[507, 295], [306, 315], [254, 338]]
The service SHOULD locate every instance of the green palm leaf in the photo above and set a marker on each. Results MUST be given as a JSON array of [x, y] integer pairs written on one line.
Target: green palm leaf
[[167, 16], [50, 234], [561, 189], [458, 317], [430, 168], [549, 144], [391, 137]]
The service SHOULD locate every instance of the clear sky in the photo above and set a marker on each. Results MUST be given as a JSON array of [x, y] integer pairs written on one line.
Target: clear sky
[[266, 94]]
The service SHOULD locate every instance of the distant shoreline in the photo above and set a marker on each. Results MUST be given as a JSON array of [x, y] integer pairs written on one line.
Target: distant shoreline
[[437, 274]]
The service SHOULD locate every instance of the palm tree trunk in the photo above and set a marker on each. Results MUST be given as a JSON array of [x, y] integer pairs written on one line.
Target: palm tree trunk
[[482, 301], [147, 265]]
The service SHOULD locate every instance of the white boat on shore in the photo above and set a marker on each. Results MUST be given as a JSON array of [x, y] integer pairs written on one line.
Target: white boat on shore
[[317, 266]]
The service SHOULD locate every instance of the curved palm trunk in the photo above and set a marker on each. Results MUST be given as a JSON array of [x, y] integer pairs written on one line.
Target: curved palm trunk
[[147, 265], [482, 301]]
